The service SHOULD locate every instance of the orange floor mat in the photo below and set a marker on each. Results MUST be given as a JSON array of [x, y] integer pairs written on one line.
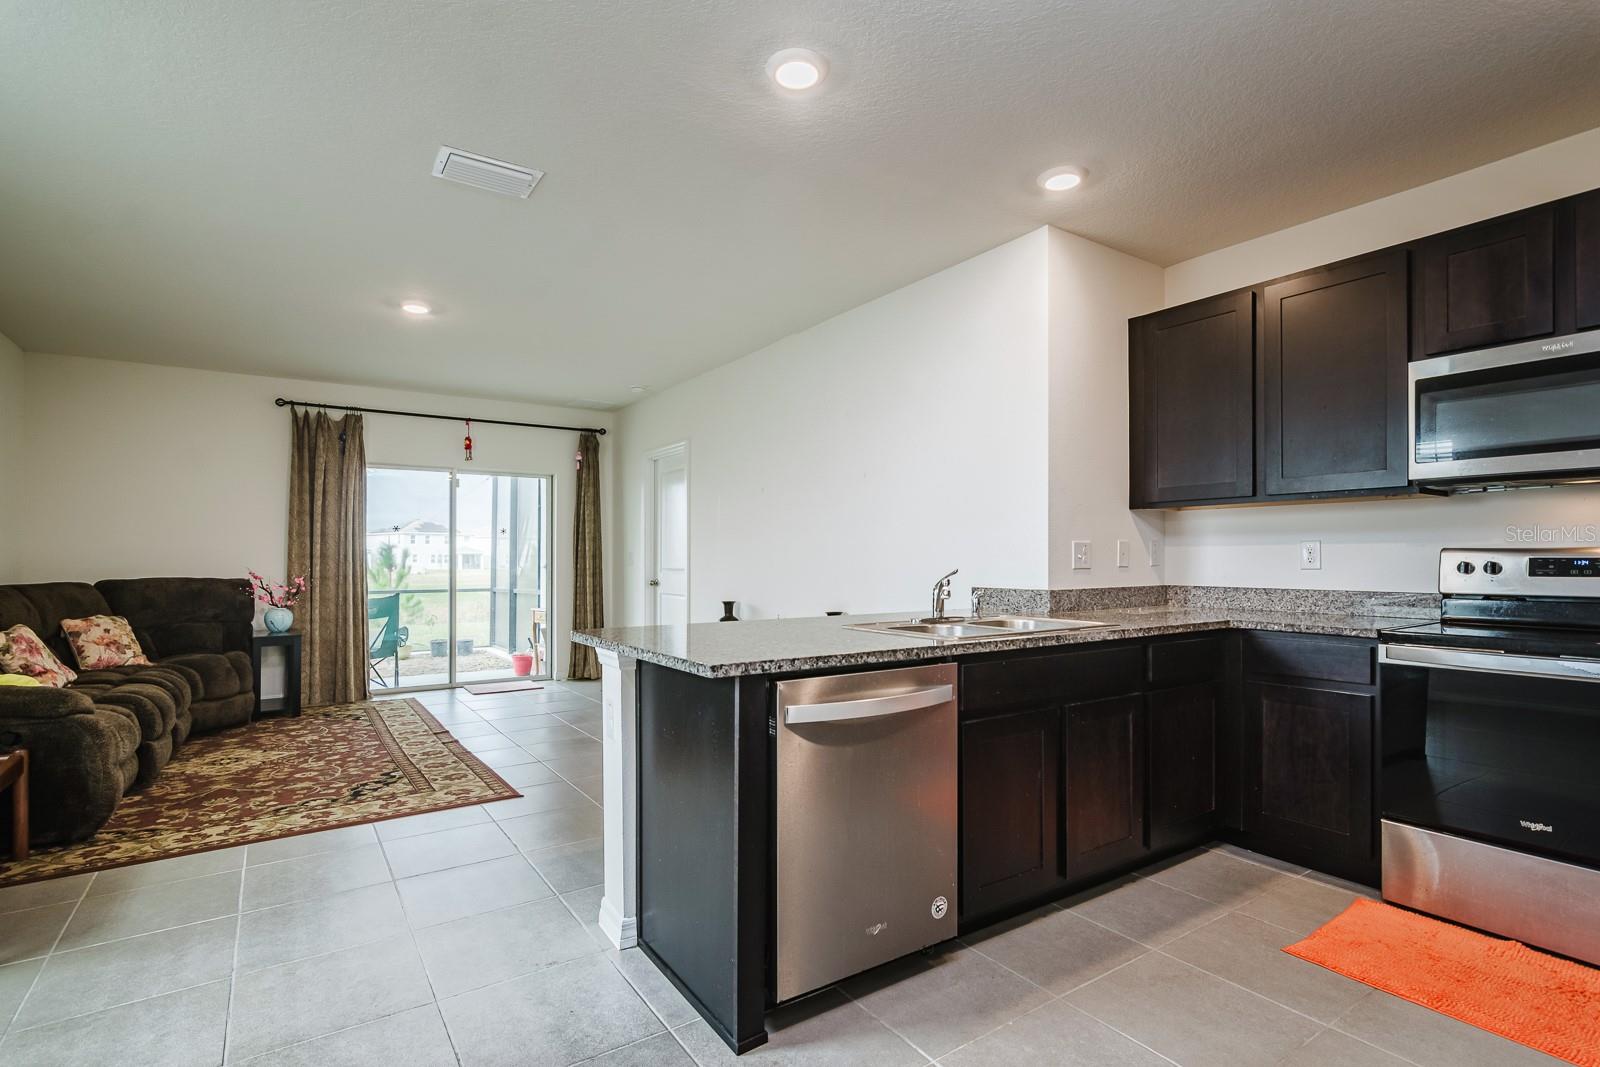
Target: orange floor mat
[[1539, 1000]]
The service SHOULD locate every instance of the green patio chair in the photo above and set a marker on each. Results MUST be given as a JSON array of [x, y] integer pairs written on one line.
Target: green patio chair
[[384, 642]]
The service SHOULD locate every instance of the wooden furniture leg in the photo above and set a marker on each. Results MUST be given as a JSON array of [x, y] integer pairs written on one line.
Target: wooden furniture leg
[[14, 776]]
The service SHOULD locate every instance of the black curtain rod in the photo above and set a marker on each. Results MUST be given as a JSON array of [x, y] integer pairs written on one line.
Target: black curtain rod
[[282, 403]]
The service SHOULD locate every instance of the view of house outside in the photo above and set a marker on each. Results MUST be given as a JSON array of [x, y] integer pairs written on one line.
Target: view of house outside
[[501, 564]]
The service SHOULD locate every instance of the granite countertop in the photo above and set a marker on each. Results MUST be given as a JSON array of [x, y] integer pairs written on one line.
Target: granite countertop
[[775, 646]]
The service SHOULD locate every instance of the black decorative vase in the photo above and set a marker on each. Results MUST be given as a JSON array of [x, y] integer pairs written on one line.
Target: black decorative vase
[[727, 612]]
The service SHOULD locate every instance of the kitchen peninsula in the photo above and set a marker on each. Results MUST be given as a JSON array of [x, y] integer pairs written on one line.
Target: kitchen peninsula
[[1184, 715]]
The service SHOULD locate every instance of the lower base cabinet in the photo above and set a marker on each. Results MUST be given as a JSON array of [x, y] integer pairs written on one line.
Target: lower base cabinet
[[1078, 765], [1010, 809], [1185, 731], [1105, 805], [1308, 767]]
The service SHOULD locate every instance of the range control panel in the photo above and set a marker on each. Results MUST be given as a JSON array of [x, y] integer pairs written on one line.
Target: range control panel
[[1562, 572], [1563, 567]]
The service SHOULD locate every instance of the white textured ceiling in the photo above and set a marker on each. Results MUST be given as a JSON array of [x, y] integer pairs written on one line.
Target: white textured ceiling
[[244, 186]]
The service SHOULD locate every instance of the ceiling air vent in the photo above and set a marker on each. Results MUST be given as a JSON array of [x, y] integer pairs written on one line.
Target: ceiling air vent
[[481, 172]]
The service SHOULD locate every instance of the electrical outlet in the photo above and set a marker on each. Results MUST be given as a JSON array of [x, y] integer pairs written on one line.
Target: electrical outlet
[[1154, 552], [1311, 555], [1123, 553], [1080, 555]]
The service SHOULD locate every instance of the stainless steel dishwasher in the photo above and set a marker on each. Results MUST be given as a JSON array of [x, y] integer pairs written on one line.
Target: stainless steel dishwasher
[[866, 821]]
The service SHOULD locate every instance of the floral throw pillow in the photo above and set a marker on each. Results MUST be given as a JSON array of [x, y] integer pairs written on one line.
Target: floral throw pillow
[[21, 652], [102, 641]]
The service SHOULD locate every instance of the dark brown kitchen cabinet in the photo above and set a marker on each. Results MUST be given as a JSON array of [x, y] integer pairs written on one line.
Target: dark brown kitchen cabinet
[[1183, 742], [1308, 776], [1332, 392], [1488, 284], [1191, 380], [1105, 805], [1010, 808], [1586, 260]]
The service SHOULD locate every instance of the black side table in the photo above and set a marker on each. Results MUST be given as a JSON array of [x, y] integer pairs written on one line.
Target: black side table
[[289, 703]]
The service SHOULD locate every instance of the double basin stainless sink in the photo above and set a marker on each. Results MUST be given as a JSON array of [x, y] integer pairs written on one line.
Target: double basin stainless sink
[[975, 629]]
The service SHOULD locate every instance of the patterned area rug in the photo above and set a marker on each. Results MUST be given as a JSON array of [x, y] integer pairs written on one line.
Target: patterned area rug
[[332, 767]]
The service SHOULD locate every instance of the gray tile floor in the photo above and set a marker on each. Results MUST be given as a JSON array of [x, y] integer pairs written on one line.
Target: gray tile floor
[[468, 937]]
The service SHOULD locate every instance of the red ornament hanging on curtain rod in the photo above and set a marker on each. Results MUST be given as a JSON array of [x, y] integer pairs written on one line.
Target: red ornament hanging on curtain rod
[[466, 442]]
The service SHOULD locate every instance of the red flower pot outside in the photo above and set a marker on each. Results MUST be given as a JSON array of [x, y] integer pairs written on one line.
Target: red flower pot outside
[[522, 664]]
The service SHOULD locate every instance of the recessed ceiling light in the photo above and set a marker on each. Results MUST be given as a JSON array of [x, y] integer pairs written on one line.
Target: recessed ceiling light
[[637, 389], [416, 307], [1060, 179], [797, 69]]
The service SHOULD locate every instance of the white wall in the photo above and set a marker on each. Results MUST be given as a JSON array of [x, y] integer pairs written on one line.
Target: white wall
[[1549, 172], [12, 443], [1094, 291], [1379, 544], [139, 470], [848, 466], [1375, 544]]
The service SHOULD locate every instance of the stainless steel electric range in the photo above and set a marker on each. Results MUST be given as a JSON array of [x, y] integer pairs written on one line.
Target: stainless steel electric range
[[1490, 742]]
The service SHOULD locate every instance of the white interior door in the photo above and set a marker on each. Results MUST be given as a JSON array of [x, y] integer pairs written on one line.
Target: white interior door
[[671, 528]]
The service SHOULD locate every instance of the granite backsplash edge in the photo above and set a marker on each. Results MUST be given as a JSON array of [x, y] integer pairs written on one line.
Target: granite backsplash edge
[[992, 600]]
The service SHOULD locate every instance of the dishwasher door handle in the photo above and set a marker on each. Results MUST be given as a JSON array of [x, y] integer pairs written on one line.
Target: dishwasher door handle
[[869, 707]]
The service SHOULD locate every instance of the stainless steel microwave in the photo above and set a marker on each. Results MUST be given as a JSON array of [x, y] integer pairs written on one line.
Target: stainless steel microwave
[[1525, 413]]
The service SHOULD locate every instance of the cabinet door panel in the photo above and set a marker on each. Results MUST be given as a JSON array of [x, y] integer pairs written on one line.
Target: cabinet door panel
[[1182, 661], [1183, 763], [1105, 783], [1333, 378], [1586, 219], [1030, 681], [1192, 387], [1304, 656], [1010, 804], [1309, 774], [1489, 284]]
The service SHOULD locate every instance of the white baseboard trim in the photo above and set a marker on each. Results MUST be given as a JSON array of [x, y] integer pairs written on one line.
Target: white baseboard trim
[[620, 931]]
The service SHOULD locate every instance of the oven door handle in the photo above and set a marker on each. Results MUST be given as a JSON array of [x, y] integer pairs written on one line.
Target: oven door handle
[[1575, 670]]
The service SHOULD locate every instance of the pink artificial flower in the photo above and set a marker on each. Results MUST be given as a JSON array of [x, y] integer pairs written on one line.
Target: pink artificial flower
[[274, 594]]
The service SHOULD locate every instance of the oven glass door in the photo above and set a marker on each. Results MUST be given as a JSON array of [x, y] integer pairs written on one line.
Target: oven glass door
[[1511, 759], [1542, 408]]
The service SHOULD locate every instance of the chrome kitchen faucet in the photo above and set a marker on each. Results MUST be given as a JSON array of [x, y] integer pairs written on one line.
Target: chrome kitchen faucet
[[941, 596]]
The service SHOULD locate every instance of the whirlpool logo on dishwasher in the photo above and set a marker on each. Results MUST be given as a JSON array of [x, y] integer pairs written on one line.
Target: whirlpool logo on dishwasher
[[1537, 827], [876, 928]]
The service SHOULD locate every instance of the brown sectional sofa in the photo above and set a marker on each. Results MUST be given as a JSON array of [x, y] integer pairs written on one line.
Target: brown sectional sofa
[[111, 731]]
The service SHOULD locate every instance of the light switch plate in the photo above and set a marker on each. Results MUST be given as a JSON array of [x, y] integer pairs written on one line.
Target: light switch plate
[[1155, 551], [1123, 553], [1311, 555], [1080, 556]]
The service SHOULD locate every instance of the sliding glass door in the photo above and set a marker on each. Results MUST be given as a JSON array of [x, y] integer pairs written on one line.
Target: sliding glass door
[[458, 577]]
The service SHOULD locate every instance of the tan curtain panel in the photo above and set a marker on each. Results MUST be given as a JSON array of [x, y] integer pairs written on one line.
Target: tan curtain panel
[[327, 544], [588, 596]]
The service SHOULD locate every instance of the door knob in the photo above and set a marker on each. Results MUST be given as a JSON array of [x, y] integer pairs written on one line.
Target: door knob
[[655, 581]]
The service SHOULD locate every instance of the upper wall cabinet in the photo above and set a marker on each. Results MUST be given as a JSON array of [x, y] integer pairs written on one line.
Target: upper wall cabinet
[[1586, 221], [1296, 388], [1333, 378], [1488, 284], [1191, 371]]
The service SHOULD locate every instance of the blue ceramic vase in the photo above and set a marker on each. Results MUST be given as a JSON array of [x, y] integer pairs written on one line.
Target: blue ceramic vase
[[278, 620]]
